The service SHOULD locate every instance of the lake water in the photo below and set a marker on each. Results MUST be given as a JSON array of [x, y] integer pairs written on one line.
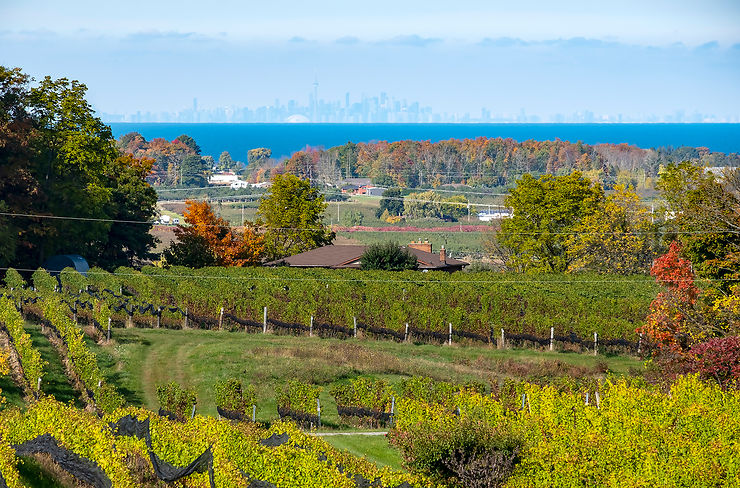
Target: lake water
[[285, 139]]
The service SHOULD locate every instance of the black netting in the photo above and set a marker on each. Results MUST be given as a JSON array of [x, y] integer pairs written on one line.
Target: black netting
[[277, 324], [362, 482], [81, 468], [305, 419], [364, 412], [337, 329], [167, 472], [230, 414], [542, 341], [428, 334], [200, 320], [471, 335], [255, 483], [170, 415], [130, 426], [276, 440], [382, 331], [244, 322]]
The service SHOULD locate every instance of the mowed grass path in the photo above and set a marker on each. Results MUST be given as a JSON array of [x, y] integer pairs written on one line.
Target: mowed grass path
[[141, 359]]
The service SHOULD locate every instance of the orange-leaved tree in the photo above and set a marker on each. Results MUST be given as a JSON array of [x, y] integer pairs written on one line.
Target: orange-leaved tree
[[208, 240], [673, 321]]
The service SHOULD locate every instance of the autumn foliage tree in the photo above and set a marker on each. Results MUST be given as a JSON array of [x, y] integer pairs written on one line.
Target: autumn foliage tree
[[208, 240], [673, 322], [618, 237]]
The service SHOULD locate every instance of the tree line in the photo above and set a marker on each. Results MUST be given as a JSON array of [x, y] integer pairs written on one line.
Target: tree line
[[490, 162]]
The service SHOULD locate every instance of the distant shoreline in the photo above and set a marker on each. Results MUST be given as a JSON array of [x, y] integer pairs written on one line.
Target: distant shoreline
[[286, 138]]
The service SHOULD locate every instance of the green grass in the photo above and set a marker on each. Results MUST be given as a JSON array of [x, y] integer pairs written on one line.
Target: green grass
[[141, 359], [374, 447], [55, 380], [33, 473]]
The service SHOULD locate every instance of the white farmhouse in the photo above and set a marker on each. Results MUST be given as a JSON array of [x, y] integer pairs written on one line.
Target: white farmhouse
[[223, 178]]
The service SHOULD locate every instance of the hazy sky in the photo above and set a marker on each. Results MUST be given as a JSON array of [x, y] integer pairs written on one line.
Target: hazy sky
[[631, 57]]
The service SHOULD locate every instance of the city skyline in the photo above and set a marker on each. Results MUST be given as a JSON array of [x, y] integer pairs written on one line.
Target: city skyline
[[577, 60], [384, 108]]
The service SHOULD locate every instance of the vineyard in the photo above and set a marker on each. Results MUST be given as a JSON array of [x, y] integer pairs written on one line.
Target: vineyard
[[400, 306], [577, 434]]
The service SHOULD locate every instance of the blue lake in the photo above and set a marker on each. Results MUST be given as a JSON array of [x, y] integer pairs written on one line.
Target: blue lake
[[285, 139]]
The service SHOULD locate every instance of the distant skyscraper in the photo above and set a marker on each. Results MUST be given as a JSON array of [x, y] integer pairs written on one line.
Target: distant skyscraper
[[315, 117]]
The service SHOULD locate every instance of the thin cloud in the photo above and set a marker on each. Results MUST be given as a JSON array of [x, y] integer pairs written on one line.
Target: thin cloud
[[347, 40], [502, 42], [412, 40], [708, 46], [154, 35]]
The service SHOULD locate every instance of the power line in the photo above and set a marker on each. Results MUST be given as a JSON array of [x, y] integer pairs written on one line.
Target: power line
[[348, 229]]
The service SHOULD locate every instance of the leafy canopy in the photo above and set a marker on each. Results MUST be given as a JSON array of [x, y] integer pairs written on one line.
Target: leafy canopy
[[617, 238], [546, 211], [291, 216], [208, 240], [59, 159]]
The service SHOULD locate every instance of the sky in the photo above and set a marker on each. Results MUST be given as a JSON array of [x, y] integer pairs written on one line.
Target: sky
[[543, 57]]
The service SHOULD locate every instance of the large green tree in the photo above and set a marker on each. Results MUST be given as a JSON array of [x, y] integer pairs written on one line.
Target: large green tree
[[291, 216], [546, 212], [704, 214], [58, 159], [618, 238]]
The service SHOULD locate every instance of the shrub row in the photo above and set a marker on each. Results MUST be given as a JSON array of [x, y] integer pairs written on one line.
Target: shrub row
[[30, 359], [628, 435], [240, 455], [83, 361], [475, 302]]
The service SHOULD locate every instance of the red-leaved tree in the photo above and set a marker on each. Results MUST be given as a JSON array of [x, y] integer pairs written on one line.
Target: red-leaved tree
[[673, 321]]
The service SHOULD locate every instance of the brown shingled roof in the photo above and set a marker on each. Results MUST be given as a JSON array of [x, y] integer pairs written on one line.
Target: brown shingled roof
[[333, 256]]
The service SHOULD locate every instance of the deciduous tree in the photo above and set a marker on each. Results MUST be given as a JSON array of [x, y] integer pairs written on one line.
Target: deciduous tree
[[207, 240], [57, 158], [291, 216], [618, 237], [546, 212]]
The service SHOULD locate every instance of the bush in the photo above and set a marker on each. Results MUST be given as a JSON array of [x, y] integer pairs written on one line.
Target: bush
[[469, 452], [717, 359], [176, 400], [13, 279], [231, 395], [427, 390], [388, 256], [298, 396], [43, 281], [365, 393]]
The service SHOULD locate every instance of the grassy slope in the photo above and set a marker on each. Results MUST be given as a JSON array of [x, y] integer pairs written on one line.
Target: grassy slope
[[141, 359], [373, 447], [55, 381]]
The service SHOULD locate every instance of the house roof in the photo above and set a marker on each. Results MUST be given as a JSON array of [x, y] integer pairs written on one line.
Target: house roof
[[334, 256]]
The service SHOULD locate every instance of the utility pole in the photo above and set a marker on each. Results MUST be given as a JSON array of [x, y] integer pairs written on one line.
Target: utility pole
[[242, 213]]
